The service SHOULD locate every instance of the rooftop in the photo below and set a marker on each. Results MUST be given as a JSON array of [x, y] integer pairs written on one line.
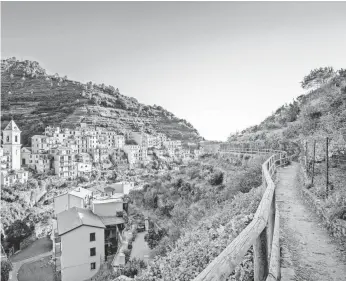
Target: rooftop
[[11, 126], [76, 217], [109, 200], [109, 220], [81, 192]]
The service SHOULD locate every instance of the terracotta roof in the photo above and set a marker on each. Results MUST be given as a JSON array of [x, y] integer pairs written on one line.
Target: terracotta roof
[[76, 217]]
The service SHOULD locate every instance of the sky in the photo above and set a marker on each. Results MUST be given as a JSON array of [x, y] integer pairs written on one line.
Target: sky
[[222, 66]]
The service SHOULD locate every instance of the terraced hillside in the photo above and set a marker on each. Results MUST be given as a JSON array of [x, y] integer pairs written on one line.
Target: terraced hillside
[[36, 99]]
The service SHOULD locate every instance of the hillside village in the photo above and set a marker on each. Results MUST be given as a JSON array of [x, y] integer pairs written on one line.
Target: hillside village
[[76, 156]]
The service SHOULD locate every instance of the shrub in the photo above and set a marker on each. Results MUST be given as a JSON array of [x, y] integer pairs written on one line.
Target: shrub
[[5, 269], [153, 238], [216, 178], [134, 234], [18, 231], [127, 253]]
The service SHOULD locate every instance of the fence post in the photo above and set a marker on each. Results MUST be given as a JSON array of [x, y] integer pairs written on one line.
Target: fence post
[[306, 154], [327, 166], [270, 227], [313, 164], [260, 257]]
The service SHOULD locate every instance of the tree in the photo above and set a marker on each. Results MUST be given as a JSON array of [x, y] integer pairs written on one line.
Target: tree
[[95, 100], [342, 72], [18, 231], [32, 183], [5, 269], [153, 238], [111, 89], [167, 208], [216, 178], [318, 77], [90, 85], [121, 103]]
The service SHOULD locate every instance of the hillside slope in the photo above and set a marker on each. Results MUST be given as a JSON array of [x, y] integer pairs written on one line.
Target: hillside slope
[[36, 100], [318, 114]]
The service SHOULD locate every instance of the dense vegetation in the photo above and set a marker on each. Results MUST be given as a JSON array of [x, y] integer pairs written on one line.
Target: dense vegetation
[[197, 211], [194, 214], [36, 100]]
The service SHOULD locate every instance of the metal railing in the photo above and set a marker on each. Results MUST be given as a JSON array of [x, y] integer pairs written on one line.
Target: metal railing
[[262, 233]]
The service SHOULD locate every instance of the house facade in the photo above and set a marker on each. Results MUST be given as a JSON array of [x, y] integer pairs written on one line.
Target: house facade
[[82, 260]]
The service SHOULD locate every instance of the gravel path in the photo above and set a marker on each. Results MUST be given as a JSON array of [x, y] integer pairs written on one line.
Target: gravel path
[[315, 255]]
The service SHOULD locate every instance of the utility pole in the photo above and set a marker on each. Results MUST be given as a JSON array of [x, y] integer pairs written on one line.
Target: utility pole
[[327, 166], [313, 164]]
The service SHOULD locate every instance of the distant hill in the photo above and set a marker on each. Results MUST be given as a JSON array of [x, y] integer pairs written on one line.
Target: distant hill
[[36, 99], [318, 114]]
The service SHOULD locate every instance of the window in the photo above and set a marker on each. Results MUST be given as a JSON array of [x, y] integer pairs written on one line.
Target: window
[[92, 236], [7, 138], [93, 265], [92, 251], [16, 138]]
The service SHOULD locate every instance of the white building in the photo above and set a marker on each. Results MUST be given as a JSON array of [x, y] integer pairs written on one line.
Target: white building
[[123, 187], [136, 154], [9, 178], [79, 197], [11, 144], [82, 244], [64, 162], [25, 155], [85, 237]]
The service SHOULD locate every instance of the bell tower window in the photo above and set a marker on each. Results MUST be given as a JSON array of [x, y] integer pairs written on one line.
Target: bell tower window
[[16, 138], [8, 139]]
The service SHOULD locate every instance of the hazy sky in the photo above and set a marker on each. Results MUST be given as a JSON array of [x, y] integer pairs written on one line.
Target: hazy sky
[[223, 66]]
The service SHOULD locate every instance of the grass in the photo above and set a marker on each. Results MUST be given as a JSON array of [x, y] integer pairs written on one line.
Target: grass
[[39, 247], [39, 270]]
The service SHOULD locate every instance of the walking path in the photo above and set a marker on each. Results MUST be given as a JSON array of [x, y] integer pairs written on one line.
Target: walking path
[[140, 247], [17, 265], [315, 255]]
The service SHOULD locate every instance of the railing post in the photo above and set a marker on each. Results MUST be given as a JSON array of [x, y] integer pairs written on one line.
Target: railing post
[[264, 182], [270, 227], [260, 257]]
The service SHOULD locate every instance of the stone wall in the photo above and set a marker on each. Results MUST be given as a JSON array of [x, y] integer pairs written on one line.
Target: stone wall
[[336, 227]]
